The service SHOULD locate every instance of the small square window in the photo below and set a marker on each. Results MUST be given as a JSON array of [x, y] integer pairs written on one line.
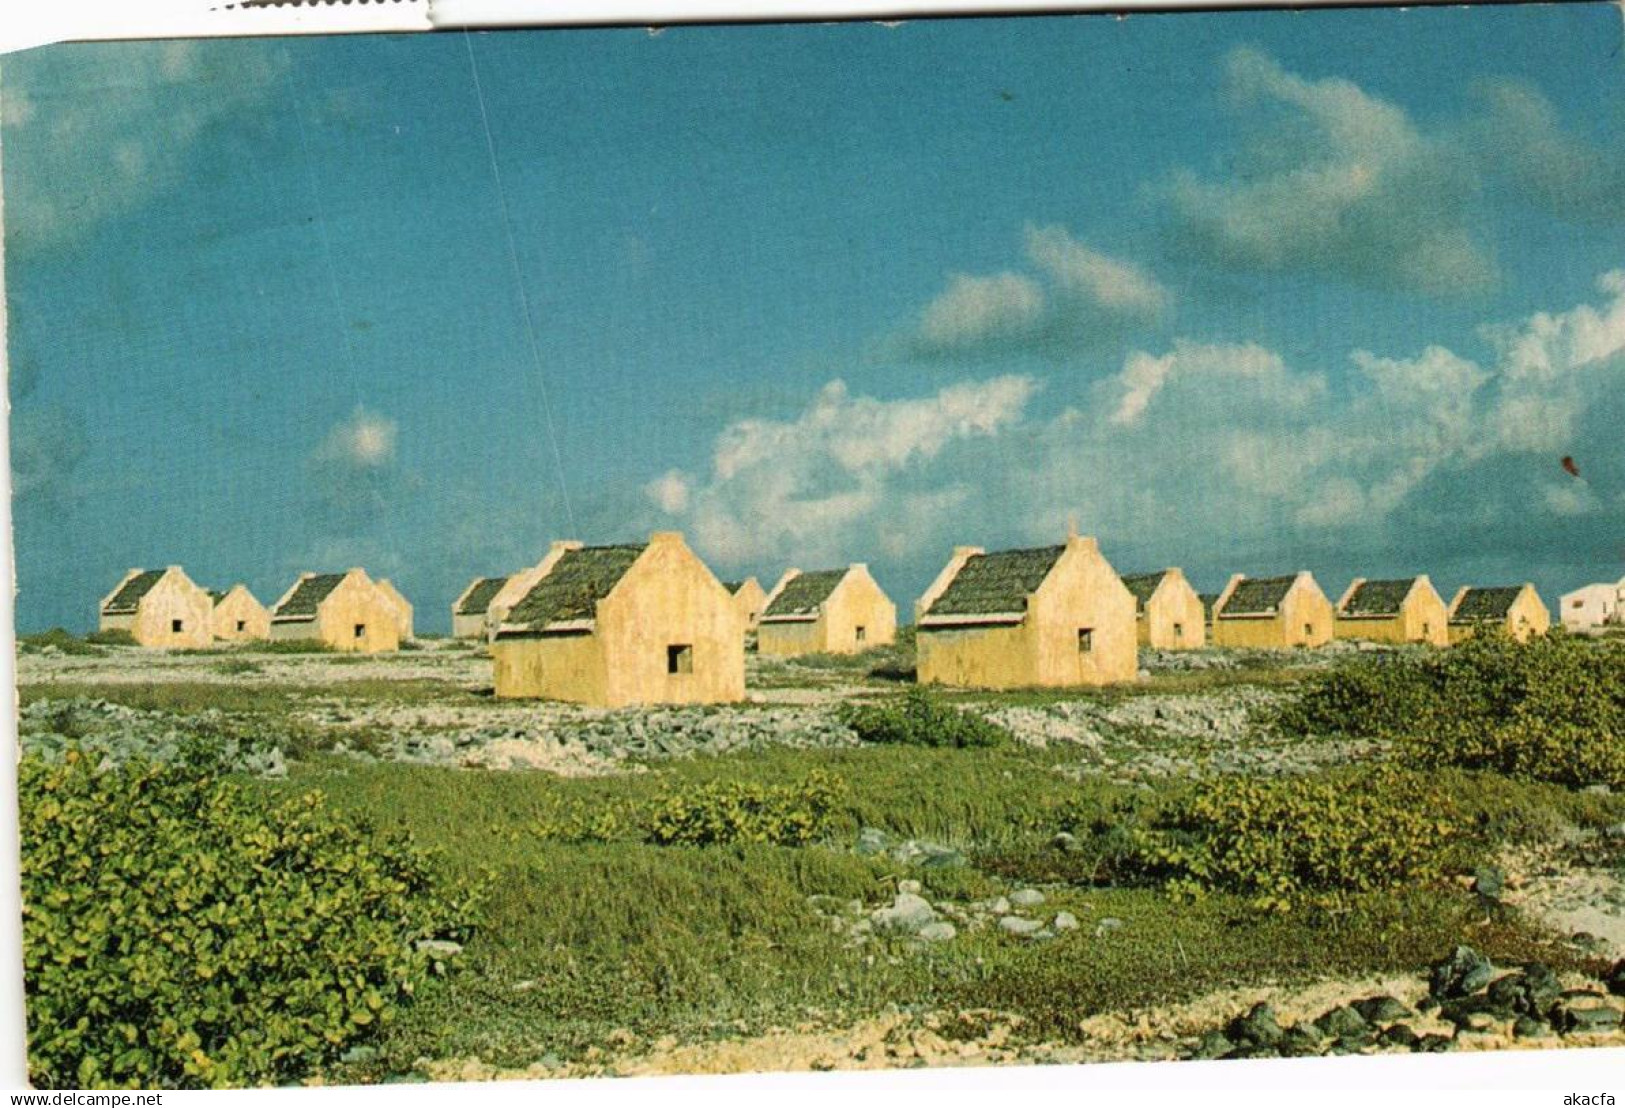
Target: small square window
[[177, 626], [1086, 640], [1179, 631], [361, 630], [680, 658], [242, 625], [862, 633], [1308, 630]]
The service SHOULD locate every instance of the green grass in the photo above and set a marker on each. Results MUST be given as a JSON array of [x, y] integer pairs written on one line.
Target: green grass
[[64, 641], [583, 939]]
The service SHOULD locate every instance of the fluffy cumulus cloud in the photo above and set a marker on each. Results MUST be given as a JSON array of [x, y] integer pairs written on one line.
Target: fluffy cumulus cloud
[[102, 128], [355, 478], [1071, 296], [365, 441], [1337, 181], [849, 471], [1199, 452]]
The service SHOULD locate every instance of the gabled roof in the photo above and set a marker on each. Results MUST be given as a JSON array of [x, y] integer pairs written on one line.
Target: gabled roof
[[573, 587], [1257, 596], [1480, 604], [217, 596], [997, 583], [311, 591], [1143, 585], [1208, 599], [733, 586], [1373, 599], [128, 597], [477, 600], [802, 594]]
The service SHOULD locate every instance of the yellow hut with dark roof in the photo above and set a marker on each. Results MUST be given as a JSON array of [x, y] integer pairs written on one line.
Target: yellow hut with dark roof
[[1168, 612], [1406, 609], [1053, 615], [346, 611], [831, 611], [1272, 613], [239, 616], [161, 608], [619, 625], [1516, 609], [471, 609]]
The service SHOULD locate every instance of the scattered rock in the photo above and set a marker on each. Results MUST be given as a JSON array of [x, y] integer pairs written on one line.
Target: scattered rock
[[1258, 1027], [1213, 1045], [1026, 898], [1343, 1023], [1465, 971], [908, 912], [1066, 841], [1381, 1009], [1107, 926], [440, 948], [1065, 921], [1018, 925], [939, 931]]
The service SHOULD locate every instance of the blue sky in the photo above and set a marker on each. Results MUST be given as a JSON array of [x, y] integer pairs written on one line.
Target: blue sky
[[1240, 291]]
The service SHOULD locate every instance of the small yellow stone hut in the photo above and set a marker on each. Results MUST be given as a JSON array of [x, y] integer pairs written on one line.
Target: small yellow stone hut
[[619, 625], [750, 598], [403, 607], [1168, 612], [1056, 615], [470, 611], [347, 611], [829, 611], [160, 608], [239, 616], [1406, 609], [1272, 613], [1517, 608]]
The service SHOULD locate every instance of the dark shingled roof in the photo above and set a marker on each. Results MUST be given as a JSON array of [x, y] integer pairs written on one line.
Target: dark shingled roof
[[1378, 598], [1256, 596], [992, 584], [1142, 585], [478, 600], [311, 592], [1492, 603], [130, 593], [804, 593], [575, 585]]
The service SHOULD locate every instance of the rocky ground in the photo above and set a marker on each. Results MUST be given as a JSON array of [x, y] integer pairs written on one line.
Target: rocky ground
[[1461, 1003], [790, 704]]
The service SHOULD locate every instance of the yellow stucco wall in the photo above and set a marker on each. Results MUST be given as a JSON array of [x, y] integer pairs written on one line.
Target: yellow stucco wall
[[1082, 591], [1173, 618], [239, 606], [857, 602], [174, 598], [667, 598], [1305, 619], [403, 608], [750, 599]]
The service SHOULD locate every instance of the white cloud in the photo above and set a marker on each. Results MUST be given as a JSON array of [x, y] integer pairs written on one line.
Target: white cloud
[[364, 441], [1341, 182], [1517, 133], [849, 471], [93, 131], [1084, 298], [974, 311], [1092, 278]]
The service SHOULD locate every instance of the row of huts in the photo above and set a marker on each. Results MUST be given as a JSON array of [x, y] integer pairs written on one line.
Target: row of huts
[[649, 623], [347, 611]]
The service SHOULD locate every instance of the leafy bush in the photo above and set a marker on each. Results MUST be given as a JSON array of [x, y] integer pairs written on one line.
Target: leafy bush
[[56, 638], [237, 667], [1284, 841], [1551, 709], [705, 814], [288, 646], [918, 719], [181, 932], [113, 637]]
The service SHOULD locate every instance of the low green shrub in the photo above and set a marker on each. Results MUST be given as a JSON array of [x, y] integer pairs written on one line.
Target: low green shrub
[[1551, 709], [181, 932], [237, 667], [113, 637], [289, 646], [706, 813], [1284, 842], [919, 719]]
